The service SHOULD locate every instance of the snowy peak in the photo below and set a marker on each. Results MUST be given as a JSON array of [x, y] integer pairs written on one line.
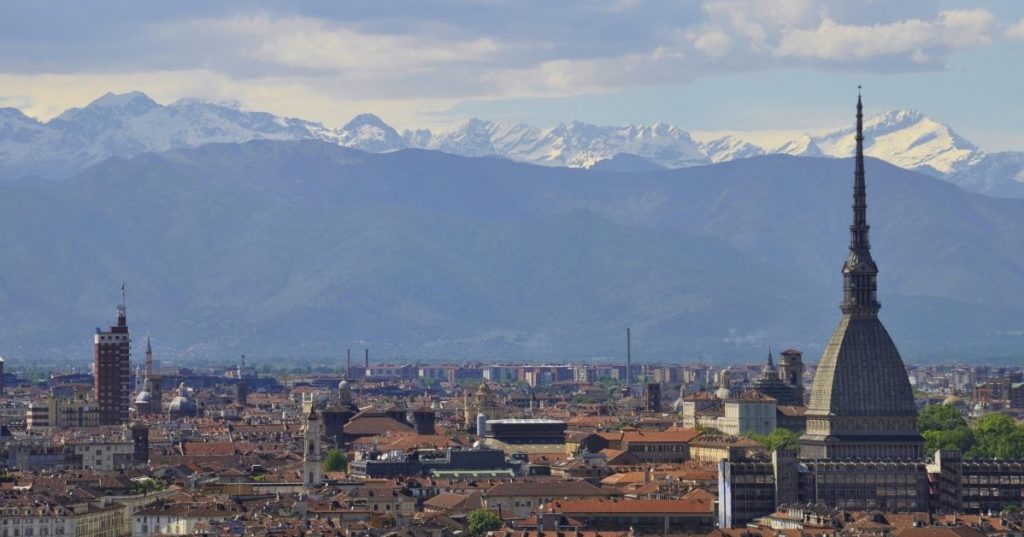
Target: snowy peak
[[906, 138], [131, 123], [729, 147], [803, 146], [131, 101], [368, 132]]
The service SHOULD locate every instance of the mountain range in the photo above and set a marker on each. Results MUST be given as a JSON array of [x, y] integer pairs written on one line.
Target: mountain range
[[130, 124], [282, 249]]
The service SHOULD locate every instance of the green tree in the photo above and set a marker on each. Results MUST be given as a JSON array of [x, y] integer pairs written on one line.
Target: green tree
[[336, 461], [779, 439], [482, 521], [940, 418], [961, 439], [997, 436]]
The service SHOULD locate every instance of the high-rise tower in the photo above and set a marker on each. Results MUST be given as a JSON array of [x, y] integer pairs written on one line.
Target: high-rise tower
[[312, 459], [112, 370], [861, 403]]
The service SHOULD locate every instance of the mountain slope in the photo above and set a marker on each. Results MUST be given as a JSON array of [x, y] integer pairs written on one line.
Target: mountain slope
[[301, 248], [130, 124]]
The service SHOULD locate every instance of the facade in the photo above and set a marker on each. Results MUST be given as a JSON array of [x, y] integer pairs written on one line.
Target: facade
[[312, 458], [750, 412], [112, 371], [899, 486], [652, 397], [746, 490], [975, 485], [520, 499], [688, 515], [104, 455], [63, 408], [861, 402]]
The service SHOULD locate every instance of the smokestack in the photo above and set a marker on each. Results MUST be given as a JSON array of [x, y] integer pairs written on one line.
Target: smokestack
[[348, 367], [629, 360], [367, 357]]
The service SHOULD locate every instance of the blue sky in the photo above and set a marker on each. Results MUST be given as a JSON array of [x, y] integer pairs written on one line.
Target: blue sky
[[747, 65]]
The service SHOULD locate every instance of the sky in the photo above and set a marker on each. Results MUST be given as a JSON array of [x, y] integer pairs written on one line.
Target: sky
[[755, 66]]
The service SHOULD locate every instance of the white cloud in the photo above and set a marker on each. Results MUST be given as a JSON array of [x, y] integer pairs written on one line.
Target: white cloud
[[410, 64], [912, 38], [1016, 31], [312, 43], [713, 42]]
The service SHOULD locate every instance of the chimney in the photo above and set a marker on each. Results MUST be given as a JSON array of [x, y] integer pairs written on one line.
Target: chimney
[[348, 368], [367, 357]]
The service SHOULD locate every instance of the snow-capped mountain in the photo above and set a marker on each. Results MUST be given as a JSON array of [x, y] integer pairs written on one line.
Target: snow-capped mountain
[[367, 132], [575, 144], [729, 147], [128, 124], [804, 146], [906, 138]]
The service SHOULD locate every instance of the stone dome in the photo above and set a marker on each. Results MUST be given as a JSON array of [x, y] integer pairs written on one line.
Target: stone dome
[[181, 405], [143, 398]]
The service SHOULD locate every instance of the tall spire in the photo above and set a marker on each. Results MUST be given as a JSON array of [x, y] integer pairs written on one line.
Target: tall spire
[[860, 272], [149, 358], [771, 360]]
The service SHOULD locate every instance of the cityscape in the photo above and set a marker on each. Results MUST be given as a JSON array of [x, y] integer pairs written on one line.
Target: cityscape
[[457, 429]]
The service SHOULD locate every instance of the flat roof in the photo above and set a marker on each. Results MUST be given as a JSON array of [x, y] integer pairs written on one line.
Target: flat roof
[[527, 420]]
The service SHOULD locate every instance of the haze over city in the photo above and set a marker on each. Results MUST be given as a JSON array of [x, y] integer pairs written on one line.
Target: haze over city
[[721, 268]]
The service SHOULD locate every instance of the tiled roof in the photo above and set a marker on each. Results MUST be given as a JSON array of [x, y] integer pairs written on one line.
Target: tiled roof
[[601, 507], [547, 489]]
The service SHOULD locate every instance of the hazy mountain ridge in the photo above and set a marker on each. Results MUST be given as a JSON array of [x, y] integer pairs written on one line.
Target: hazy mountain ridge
[[130, 124], [302, 248]]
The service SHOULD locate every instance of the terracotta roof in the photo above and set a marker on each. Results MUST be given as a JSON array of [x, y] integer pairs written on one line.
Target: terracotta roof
[[675, 435], [547, 489], [580, 507]]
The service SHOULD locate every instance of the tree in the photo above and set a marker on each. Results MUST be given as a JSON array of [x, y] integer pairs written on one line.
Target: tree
[[335, 461], [961, 439], [940, 418], [997, 436], [482, 521], [779, 439]]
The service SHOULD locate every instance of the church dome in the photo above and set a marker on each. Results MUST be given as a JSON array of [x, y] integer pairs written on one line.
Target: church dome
[[144, 397], [181, 405], [343, 385], [723, 393]]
